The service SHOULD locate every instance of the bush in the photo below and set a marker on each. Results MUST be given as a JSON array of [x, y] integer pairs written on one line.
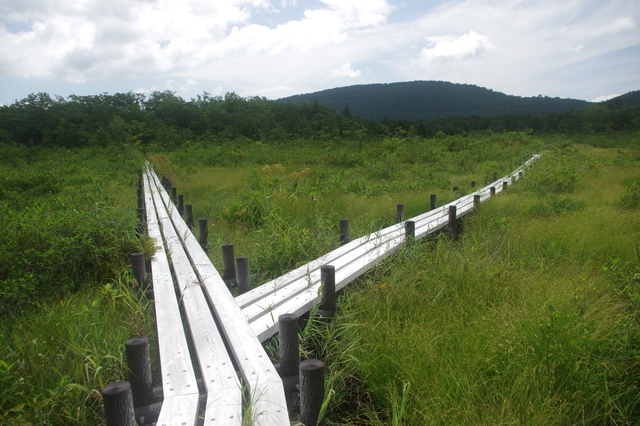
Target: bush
[[630, 198]]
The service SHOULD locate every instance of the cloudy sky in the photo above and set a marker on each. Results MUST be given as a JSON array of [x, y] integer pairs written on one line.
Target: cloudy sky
[[583, 49]]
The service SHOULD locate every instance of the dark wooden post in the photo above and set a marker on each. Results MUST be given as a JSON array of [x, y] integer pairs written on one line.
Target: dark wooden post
[[455, 189], [243, 274], [174, 194], [140, 192], [520, 174], [311, 391], [140, 202], [189, 214], [139, 269], [141, 215], [204, 233], [228, 264], [118, 404], [180, 203], [473, 183], [495, 176], [139, 364], [492, 191], [410, 231], [504, 185], [140, 228], [328, 296], [476, 200], [399, 213], [345, 236], [453, 226], [289, 345], [434, 203]]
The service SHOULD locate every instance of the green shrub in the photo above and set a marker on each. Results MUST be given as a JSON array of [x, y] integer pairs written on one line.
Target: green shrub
[[630, 198], [558, 171]]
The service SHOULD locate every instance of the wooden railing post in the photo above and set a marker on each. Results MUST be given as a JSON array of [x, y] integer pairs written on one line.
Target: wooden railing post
[[476, 200], [504, 185], [228, 264], [139, 267], [345, 236], [399, 213], [139, 364], [189, 215], [434, 202], [243, 274], [204, 233], [311, 391], [328, 297], [289, 349], [174, 194], [453, 226], [492, 191], [118, 404], [181, 204], [409, 231], [142, 217]]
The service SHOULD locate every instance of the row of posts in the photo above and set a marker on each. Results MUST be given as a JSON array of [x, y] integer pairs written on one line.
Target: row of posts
[[303, 377]]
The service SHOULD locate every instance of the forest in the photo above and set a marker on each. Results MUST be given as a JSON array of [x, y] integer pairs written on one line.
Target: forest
[[165, 119], [431, 100]]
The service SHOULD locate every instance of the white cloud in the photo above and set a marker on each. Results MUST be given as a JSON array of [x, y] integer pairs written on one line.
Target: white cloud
[[464, 47], [520, 47], [345, 70], [605, 98]]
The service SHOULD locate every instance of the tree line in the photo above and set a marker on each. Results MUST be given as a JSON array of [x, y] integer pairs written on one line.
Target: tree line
[[165, 119]]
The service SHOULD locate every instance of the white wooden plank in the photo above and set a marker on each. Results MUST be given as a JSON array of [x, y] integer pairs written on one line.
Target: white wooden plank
[[218, 373], [179, 410], [178, 377], [265, 386]]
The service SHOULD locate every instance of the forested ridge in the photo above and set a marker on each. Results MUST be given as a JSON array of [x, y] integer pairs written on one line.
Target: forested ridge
[[165, 119], [431, 100]]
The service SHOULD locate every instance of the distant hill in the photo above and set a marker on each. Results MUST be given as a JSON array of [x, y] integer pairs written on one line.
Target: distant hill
[[430, 100], [631, 98]]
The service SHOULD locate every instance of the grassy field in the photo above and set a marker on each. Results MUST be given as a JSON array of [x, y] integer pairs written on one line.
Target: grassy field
[[530, 318]]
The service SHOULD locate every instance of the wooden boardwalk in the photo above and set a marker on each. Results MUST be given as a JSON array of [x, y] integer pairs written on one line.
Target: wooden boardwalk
[[221, 337], [298, 291], [214, 322]]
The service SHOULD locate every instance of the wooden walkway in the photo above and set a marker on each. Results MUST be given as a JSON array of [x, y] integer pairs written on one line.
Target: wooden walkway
[[298, 291], [213, 323], [203, 330]]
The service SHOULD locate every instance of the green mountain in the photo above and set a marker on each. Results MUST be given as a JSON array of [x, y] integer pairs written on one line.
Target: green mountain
[[631, 98], [430, 100]]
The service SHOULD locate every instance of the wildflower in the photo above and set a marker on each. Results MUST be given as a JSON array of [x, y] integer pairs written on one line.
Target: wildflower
[[313, 198]]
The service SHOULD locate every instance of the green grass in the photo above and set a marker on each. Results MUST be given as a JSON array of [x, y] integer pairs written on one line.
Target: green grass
[[538, 294], [55, 360], [532, 318]]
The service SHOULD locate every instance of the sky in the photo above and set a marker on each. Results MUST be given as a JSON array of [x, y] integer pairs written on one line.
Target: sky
[[581, 49]]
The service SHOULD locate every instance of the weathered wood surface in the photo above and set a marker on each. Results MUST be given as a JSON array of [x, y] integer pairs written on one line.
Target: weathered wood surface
[[268, 403], [297, 291], [218, 374], [179, 385]]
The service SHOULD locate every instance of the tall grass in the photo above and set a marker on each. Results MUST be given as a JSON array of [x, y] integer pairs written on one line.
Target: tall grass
[[55, 360], [531, 318]]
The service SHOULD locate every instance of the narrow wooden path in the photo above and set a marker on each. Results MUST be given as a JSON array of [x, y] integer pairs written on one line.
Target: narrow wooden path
[[217, 337], [206, 333], [298, 291]]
